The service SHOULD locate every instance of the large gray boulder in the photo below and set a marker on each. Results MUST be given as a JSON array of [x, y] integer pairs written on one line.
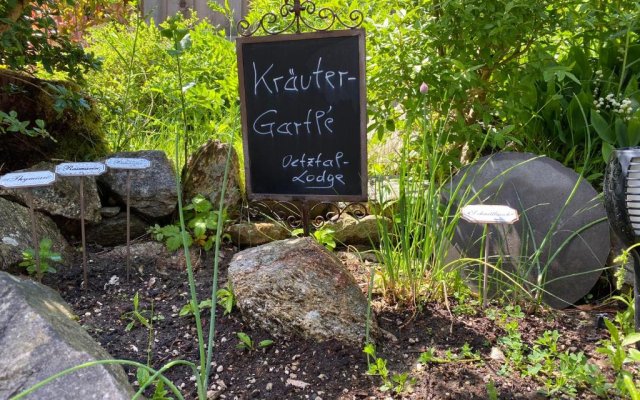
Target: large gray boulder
[[153, 190], [561, 242], [297, 287], [62, 198], [39, 338], [16, 236], [204, 172]]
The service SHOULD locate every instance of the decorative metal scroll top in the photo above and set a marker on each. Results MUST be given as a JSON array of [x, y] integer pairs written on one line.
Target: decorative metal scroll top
[[324, 19]]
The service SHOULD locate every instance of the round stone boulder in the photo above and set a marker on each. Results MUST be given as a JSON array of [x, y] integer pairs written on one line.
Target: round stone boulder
[[153, 190], [558, 247], [297, 287]]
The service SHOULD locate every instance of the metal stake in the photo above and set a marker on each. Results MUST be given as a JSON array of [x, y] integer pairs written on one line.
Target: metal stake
[[305, 218], [636, 291], [485, 278], [128, 225], [36, 243], [85, 272]]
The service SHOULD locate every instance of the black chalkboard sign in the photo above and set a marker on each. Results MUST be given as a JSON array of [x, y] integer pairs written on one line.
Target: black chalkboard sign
[[303, 107]]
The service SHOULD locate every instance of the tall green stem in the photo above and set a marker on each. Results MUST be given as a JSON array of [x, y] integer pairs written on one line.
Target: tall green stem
[[216, 263], [185, 245]]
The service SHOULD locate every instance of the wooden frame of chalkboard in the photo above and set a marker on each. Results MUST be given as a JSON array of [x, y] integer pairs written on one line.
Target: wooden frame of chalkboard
[[304, 119]]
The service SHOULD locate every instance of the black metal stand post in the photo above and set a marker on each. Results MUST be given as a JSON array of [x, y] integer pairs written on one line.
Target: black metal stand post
[[636, 291], [305, 218]]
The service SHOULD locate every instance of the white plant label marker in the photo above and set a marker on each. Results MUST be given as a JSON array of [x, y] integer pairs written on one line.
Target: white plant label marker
[[28, 180], [486, 215], [128, 164], [82, 169]]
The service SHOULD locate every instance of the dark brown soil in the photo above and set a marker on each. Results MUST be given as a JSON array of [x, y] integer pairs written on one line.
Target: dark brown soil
[[295, 368]]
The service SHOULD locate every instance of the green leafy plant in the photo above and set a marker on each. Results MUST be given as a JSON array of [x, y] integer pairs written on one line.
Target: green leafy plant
[[202, 221], [466, 354], [246, 343], [10, 123], [171, 235], [492, 392], [226, 298], [30, 39], [159, 392], [377, 366], [187, 309], [619, 352], [323, 235], [562, 373], [141, 316], [47, 258]]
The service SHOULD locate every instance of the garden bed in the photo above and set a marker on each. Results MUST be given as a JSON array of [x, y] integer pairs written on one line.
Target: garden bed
[[293, 368]]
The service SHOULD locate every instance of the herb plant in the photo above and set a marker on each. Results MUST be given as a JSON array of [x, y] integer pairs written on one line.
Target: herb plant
[[140, 316], [246, 343], [47, 258]]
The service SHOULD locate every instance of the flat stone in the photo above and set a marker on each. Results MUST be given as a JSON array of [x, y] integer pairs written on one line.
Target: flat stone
[[62, 198], [39, 338], [16, 235], [110, 212], [156, 254], [257, 233], [113, 231], [358, 231], [297, 287], [153, 190], [572, 227]]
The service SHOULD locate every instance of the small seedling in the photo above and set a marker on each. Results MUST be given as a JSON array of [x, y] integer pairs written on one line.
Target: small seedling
[[399, 383], [47, 257], [466, 354], [246, 343], [226, 299], [160, 392], [187, 310], [141, 316]]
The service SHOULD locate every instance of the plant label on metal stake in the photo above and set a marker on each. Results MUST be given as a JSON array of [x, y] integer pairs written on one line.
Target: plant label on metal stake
[[82, 169], [28, 180], [128, 164], [487, 215]]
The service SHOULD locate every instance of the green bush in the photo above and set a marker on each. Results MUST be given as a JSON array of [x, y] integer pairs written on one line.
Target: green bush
[[139, 102]]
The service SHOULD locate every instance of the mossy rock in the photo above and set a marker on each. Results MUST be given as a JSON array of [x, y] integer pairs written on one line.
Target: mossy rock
[[78, 134]]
